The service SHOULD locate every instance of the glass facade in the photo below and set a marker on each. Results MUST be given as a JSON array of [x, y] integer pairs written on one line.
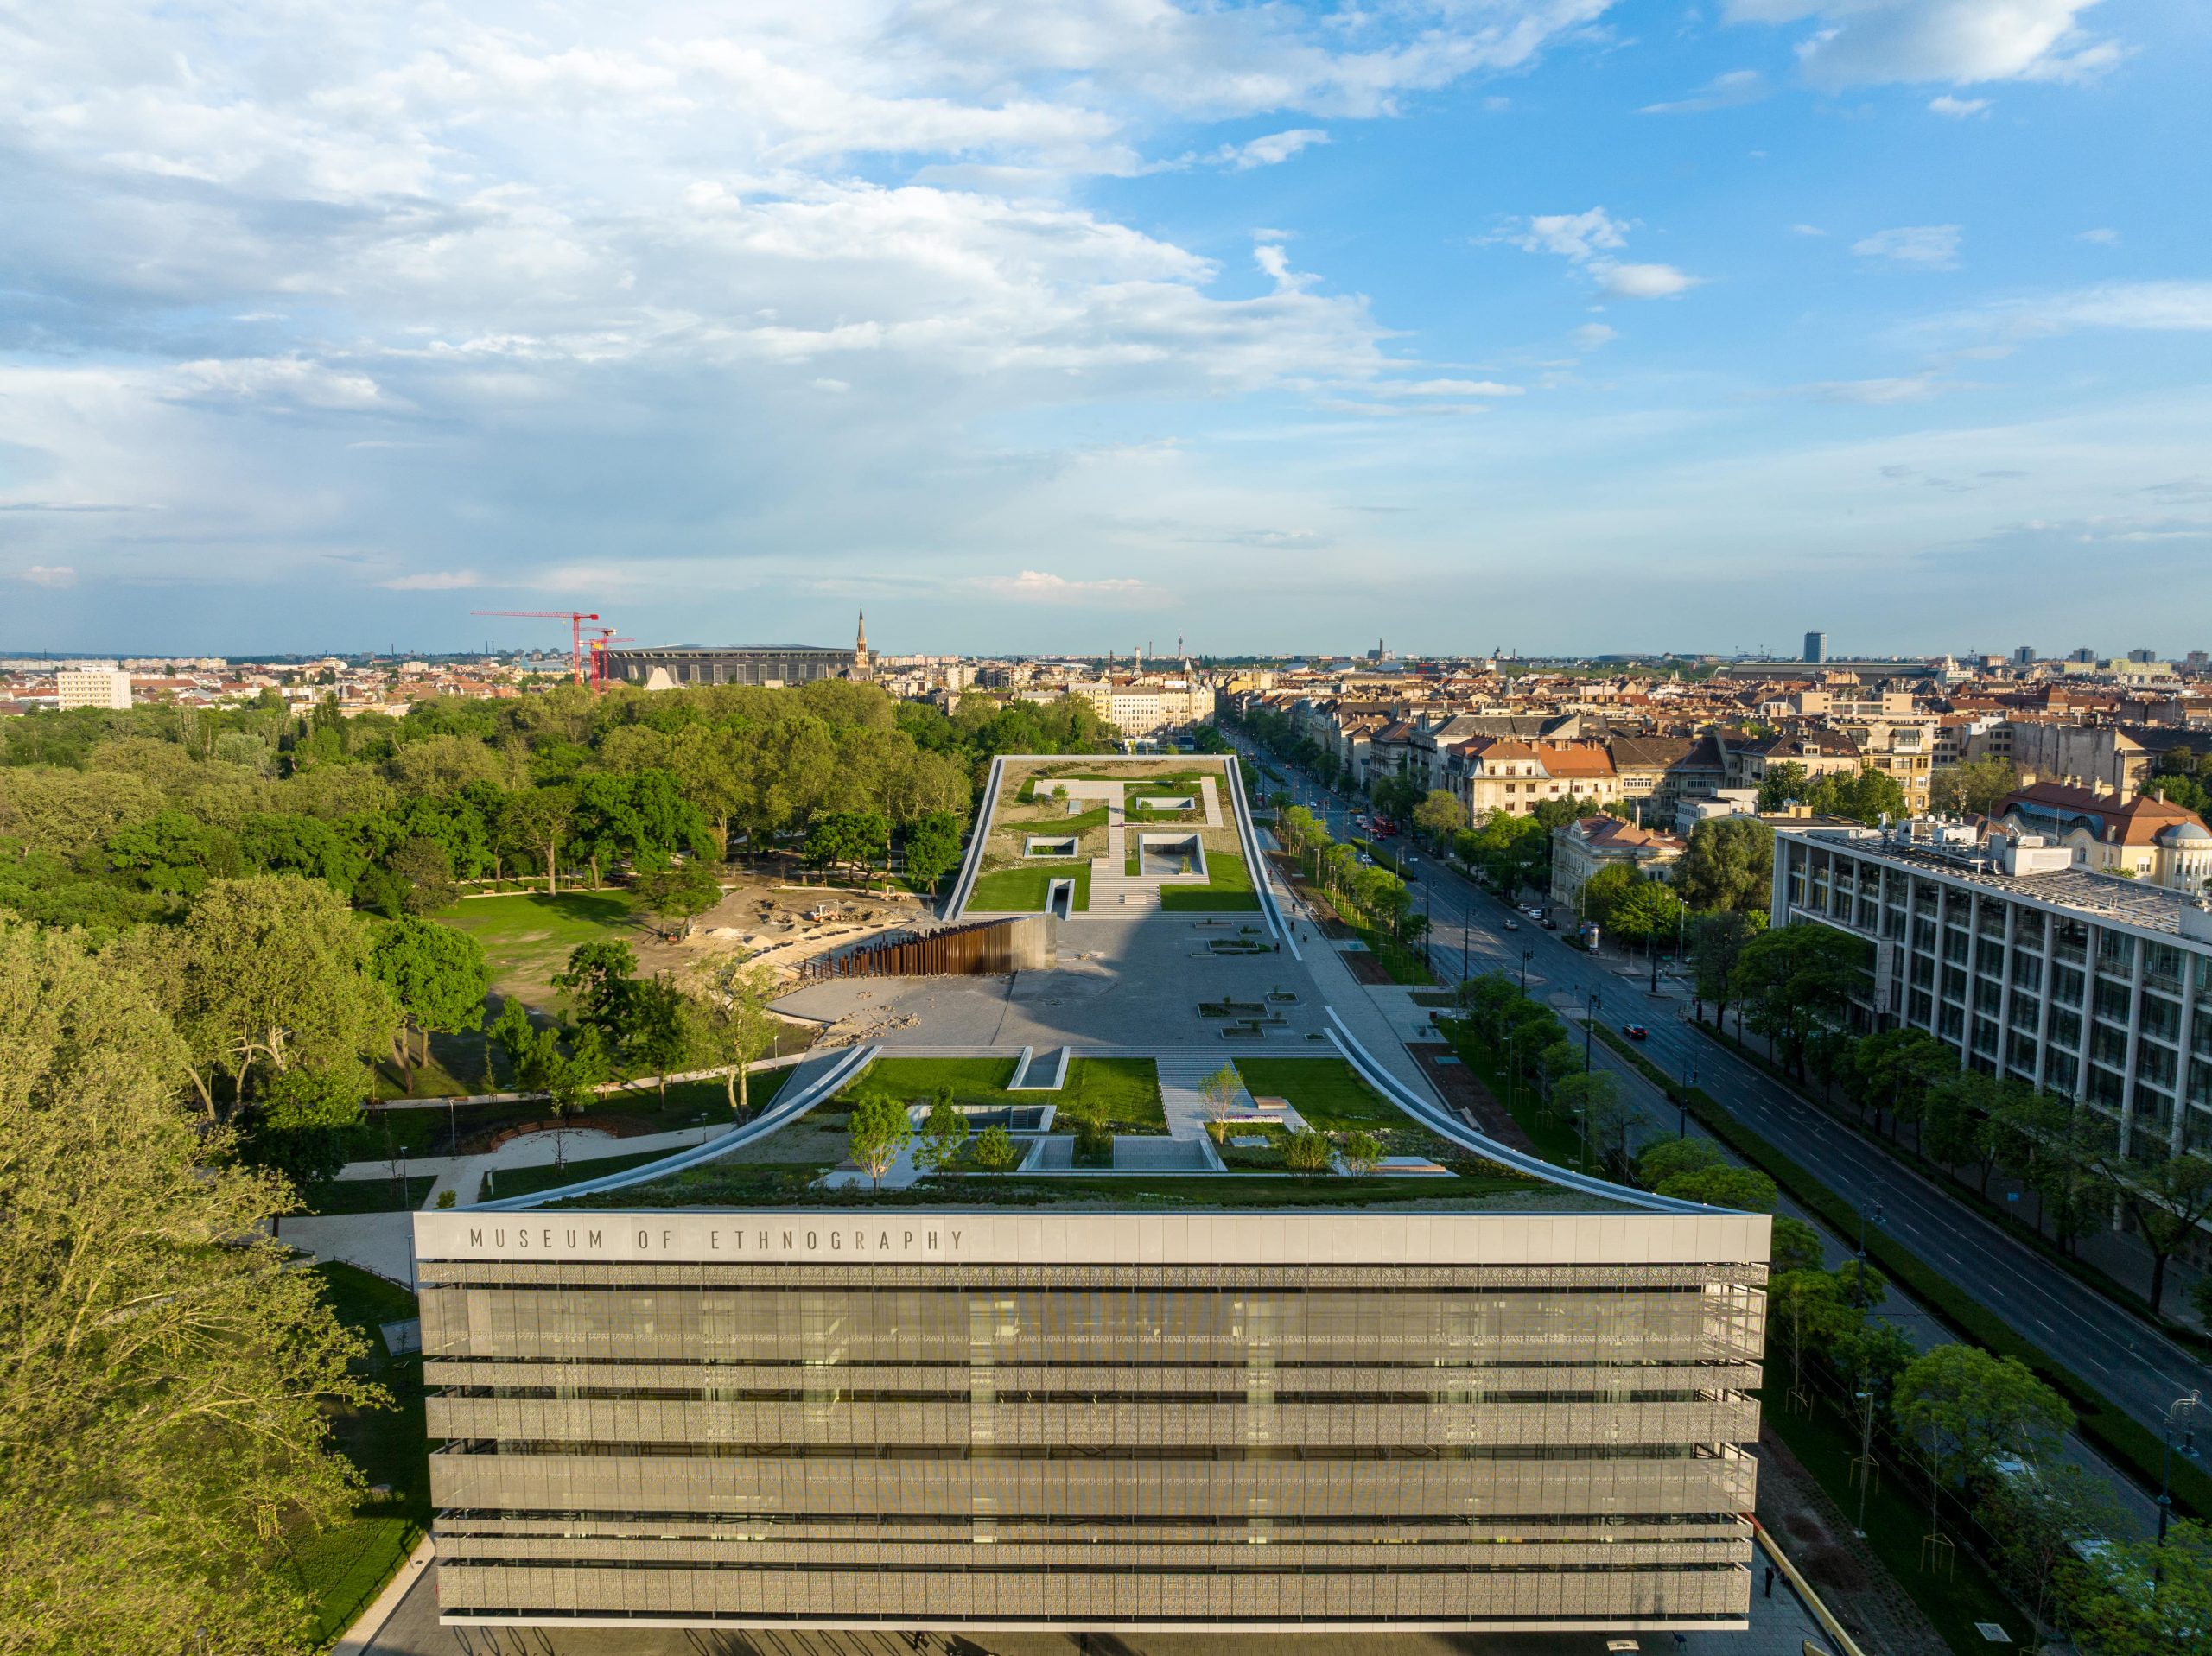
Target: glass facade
[[1459, 1446]]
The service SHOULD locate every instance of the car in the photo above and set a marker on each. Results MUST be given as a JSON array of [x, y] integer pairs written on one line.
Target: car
[[1636, 1031], [1366, 861], [1550, 924], [1513, 925]]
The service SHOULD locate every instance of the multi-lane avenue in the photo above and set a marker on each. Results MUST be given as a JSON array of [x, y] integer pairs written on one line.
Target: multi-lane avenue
[[2132, 1363]]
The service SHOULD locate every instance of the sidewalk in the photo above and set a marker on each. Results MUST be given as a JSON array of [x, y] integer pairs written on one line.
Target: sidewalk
[[463, 1174]]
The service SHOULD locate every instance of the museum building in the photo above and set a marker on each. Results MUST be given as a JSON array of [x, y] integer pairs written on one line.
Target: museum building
[[1300, 1421]]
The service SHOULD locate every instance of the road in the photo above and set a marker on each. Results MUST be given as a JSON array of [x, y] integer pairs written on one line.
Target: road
[[2133, 1364]]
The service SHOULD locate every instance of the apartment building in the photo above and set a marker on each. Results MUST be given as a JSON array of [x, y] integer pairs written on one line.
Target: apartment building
[[1582, 848], [1141, 708], [92, 687], [1998, 943], [1498, 774]]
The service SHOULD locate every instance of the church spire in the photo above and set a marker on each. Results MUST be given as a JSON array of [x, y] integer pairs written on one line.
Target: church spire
[[861, 648]]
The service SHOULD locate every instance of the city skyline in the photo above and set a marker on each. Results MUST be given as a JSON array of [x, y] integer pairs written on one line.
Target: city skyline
[[1561, 324]]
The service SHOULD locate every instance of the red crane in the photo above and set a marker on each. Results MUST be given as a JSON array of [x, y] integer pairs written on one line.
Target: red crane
[[576, 619], [598, 648]]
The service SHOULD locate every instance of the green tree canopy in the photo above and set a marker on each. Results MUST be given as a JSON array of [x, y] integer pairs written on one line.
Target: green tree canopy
[[879, 1127], [1728, 866], [166, 1373]]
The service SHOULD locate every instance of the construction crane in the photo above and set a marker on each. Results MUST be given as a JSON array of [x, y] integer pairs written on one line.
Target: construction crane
[[598, 649], [576, 619]]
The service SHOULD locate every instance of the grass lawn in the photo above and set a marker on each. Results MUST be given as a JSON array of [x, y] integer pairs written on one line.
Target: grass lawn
[[347, 1565], [1237, 1190], [1021, 891], [716, 1184], [527, 938], [1327, 1091], [1126, 1089], [366, 1196], [1228, 886]]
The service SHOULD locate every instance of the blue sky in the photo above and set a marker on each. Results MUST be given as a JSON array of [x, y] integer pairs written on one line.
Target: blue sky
[[1540, 324]]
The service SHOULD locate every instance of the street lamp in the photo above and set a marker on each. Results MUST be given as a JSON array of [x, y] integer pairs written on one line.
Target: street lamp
[[1589, 1026], [1527, 954], [1690, 1086], [2184, 1409]]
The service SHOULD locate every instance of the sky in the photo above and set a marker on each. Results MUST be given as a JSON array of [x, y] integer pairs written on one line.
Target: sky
[[1539, 325]]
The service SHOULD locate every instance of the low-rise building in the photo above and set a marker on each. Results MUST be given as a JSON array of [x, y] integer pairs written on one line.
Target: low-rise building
[[1497, 774], [1582, 848]]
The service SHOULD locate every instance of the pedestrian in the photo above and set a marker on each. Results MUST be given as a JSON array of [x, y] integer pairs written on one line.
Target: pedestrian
[[1770, 1581]]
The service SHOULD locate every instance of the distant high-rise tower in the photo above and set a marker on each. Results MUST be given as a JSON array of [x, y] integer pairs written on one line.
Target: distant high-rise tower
[[1816, 646], [2024, 656]]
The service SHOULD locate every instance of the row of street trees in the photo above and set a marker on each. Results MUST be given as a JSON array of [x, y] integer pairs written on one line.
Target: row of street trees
[[1375, 894]]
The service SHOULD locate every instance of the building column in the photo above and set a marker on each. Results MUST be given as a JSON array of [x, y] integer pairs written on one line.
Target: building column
[[2134, 1040], [2005, 992]]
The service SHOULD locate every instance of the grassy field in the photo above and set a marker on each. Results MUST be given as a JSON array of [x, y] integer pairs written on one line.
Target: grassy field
[[1021, 891], [1327, 1091], [527, 938], [529, 1181], [343, 1567], [1228, 886], [1126, 1089]]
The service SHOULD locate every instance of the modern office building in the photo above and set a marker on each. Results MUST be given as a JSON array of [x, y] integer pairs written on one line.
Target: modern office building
[[1817, 647], [909, 1418], [2092, 986]]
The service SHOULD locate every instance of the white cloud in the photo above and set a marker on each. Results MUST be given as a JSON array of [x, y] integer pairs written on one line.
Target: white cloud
[[279, 380], [1729, 91], [1576, 236], [1959, 109], [1276, 148], [1444, 388], [1586, 239], [1932, 247], [435, 581], [1040, 586], [2135, 307], [1807, 230], [1591, 335], [1963, 42], [53, 576], [1645, 281], [2101, 238]]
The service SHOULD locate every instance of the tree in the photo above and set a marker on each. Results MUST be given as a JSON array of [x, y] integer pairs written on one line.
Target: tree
[[168, 1375], [530, 1050], [1796, 1246], [736, 1029], [1717, 942], [944, 1134], [851, 837], [1812, 1308], [1782, 785], [1865, 796], [1795, 981], [879, 1130], [1975, 787], [656, 1029], [1440, 816], [435, 976], [1307, 1152], [1745, 1188], [681, 892], [421, 876], [933, 849], [2034, 1518], [1594, 1098], [2167, 1199], [600, 979], [995, 1151], [1664, 1158], [1363, 1152], [1604, 891], [2136, 1598], [1961, 1408], [1647, 912], [1895, 1071], [2054, 1144], [1728, 866], [1219, 1093], [265, 973], [302, 1129], [536, 822]]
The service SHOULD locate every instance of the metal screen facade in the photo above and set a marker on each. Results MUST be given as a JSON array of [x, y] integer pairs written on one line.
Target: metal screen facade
[[1086, 1444]]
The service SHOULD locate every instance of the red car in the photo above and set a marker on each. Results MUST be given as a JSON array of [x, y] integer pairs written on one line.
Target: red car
[[1635, 1032]]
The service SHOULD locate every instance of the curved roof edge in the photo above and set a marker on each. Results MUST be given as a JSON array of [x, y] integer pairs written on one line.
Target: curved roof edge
[[777, 1115], [1447, 1126]]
